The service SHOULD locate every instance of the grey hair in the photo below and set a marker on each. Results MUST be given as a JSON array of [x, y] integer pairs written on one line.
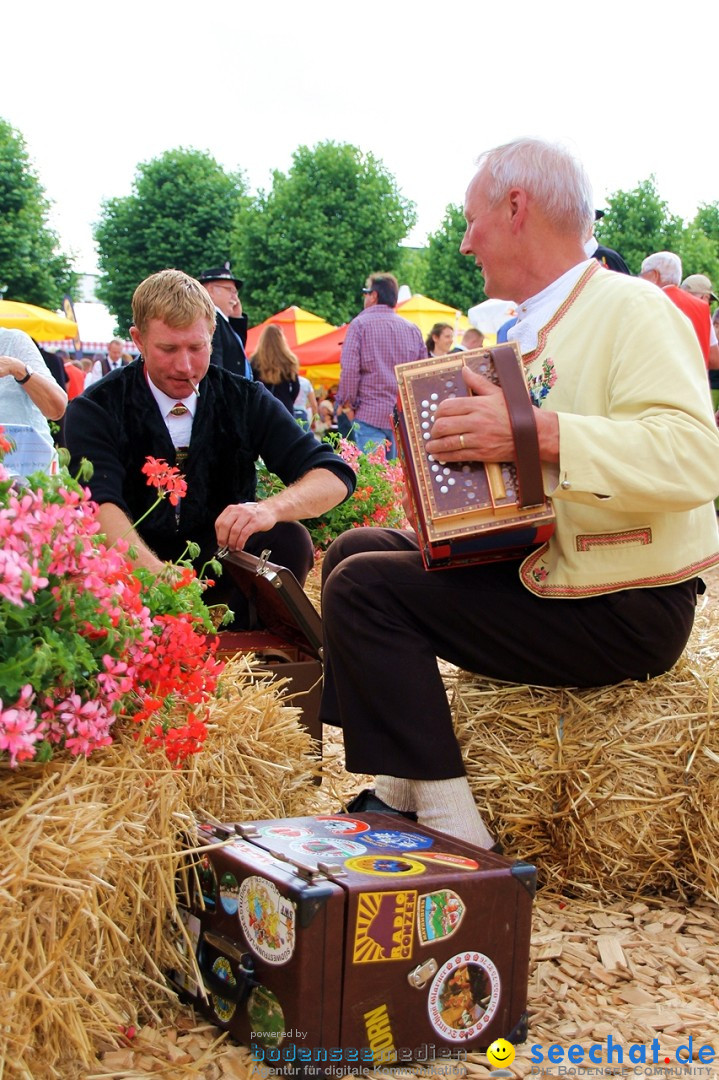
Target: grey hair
[[667, 264], [550, 174]]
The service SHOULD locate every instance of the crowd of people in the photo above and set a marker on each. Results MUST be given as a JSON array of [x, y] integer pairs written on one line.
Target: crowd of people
[[617, 367]]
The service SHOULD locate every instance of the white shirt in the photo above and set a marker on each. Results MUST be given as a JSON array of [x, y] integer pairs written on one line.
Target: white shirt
[[95, 373], [179, 427], [536, 312]]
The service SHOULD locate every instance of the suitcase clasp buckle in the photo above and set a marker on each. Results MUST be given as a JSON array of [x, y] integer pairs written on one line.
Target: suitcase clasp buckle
[[420, 976]]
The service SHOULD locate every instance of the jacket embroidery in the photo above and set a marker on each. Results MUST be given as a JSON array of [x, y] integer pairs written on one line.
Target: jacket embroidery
[[587, 541]]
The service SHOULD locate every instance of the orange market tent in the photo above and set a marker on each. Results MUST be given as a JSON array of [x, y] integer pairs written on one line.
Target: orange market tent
[[297, 325], [320, 359], [425, 312], [38, 322]]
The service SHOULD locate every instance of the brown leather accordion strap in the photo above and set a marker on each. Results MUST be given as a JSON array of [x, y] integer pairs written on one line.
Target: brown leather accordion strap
[[524, 425]]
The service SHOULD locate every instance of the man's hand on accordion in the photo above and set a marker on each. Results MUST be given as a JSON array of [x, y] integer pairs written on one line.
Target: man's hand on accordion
[[477, 428]]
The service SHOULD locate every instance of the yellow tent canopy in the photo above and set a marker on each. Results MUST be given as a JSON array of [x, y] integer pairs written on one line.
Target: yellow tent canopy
[[425, 312], [38, 322]]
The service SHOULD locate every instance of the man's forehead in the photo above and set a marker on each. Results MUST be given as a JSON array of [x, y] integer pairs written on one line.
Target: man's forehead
[[161, 331]]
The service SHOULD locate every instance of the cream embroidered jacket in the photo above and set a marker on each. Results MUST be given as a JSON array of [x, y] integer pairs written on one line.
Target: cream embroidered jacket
[[639, 448]]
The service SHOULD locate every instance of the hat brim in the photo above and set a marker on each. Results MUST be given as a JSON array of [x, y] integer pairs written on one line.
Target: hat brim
[[234, 280]]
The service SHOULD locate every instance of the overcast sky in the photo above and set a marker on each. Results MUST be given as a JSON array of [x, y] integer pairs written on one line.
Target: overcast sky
[[425, 86]]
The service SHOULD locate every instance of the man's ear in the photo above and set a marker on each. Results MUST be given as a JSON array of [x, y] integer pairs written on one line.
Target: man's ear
[[136, 337], [517, 207]]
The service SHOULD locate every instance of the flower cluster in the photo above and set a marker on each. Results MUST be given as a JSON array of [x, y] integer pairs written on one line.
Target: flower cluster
[[88, 639], [377, 499]]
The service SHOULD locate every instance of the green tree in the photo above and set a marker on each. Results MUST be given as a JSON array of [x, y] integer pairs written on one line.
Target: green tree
[[412, 268], [334, 218], [637, 223], [180, 214], [699, 253], [31, 268], [452, 278], [707, 219]]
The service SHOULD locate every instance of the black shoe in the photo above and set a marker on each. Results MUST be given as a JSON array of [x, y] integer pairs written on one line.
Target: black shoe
[[368, 801]]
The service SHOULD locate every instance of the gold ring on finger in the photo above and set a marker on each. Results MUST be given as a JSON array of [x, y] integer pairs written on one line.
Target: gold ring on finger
[[461, 442]]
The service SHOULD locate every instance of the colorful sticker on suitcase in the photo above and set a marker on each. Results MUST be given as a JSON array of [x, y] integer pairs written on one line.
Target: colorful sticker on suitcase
[[385, 865], [224, 1010], [229, 892], [267, 920], [328, 847], [267, 1020], [392, 838], [385, 926], [342, 824], [291, 832], [208, 882], [447, 858], [464, 996], [438, 915]]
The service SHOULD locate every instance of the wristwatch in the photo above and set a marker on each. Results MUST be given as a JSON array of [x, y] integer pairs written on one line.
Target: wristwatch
[[28, 373]]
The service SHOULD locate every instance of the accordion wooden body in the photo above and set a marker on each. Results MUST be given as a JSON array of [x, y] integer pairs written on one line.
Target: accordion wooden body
[[471, 512]]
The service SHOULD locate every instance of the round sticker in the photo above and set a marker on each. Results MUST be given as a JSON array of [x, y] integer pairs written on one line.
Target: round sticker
[[328, 847], [290, 831], [405, 841], [267, 919], [464, 996], [385, 865], [224, 1010], [342, 824], [229, 891], [266, 1016]]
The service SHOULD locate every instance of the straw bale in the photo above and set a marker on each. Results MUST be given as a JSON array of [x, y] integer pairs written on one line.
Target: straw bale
[[88, 856], [611, 790]]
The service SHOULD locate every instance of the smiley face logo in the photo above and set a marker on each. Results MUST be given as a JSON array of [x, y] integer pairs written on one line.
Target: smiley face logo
[[500, 1053]]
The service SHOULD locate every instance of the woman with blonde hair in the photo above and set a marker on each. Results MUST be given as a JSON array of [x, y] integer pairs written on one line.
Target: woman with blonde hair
[[276, 366]]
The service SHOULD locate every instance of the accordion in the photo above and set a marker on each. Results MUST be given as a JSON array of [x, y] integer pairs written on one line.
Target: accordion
[[471, 512]]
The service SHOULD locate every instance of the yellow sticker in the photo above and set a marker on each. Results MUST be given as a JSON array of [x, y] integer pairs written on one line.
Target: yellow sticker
[[385, 926]]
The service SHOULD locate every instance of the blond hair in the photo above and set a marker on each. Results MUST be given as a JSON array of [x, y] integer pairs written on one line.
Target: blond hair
[[174, 298], [274, 361]]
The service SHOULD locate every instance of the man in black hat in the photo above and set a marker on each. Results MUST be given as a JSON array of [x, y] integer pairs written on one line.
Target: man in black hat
[[604, 255], [228, 342]]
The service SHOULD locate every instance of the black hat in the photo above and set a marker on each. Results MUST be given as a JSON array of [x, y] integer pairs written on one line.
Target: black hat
[[219, 273], [598, 215]]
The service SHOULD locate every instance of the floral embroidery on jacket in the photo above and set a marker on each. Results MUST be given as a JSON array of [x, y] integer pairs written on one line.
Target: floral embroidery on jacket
[[540, 385]]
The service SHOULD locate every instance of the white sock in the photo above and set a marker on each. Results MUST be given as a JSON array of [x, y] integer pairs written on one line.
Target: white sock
[[448, 805], [395, 791]]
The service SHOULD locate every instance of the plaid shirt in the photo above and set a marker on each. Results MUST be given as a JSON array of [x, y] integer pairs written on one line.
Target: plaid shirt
[[376, 340]]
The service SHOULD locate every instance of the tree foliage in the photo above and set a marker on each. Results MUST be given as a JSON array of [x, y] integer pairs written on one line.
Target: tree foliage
[[334, 218], [452, 278], [32, 269], [637, 223], [180, 214]]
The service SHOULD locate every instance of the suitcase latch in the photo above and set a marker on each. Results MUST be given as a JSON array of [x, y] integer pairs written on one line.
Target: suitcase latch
[[421, 975], [247, 832]]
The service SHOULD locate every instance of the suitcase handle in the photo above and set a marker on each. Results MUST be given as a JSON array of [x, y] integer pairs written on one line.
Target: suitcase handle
[[244, 972]]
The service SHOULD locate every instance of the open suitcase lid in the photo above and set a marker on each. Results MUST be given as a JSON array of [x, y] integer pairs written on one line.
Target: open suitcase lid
[[282, 605]]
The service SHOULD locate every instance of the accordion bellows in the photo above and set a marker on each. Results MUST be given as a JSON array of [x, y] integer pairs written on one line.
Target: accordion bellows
[[471, 512]]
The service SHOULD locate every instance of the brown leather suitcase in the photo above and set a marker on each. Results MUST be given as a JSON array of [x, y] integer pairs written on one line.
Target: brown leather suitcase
[[290, 643], [362, 939]]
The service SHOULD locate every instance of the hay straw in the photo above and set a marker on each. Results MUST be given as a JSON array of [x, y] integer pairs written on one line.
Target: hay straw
[[88, 856], [611, 791]]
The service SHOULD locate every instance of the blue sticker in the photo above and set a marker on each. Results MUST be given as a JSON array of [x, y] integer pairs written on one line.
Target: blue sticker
[[402, 841], [229, 892]]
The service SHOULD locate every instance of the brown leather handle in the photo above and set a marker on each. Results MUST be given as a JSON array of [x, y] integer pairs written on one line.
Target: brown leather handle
[[524, 425]]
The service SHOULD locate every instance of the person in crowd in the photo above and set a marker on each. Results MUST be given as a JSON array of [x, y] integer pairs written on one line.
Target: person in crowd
[[472, 338], [276, 366], [609, 258], [439, 340], [664, 269], [376, 340], [630, 457], [230, 336], [104, 364], [29, 395], [306, 402], [172, 404], [326, 418], [75, 378]]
